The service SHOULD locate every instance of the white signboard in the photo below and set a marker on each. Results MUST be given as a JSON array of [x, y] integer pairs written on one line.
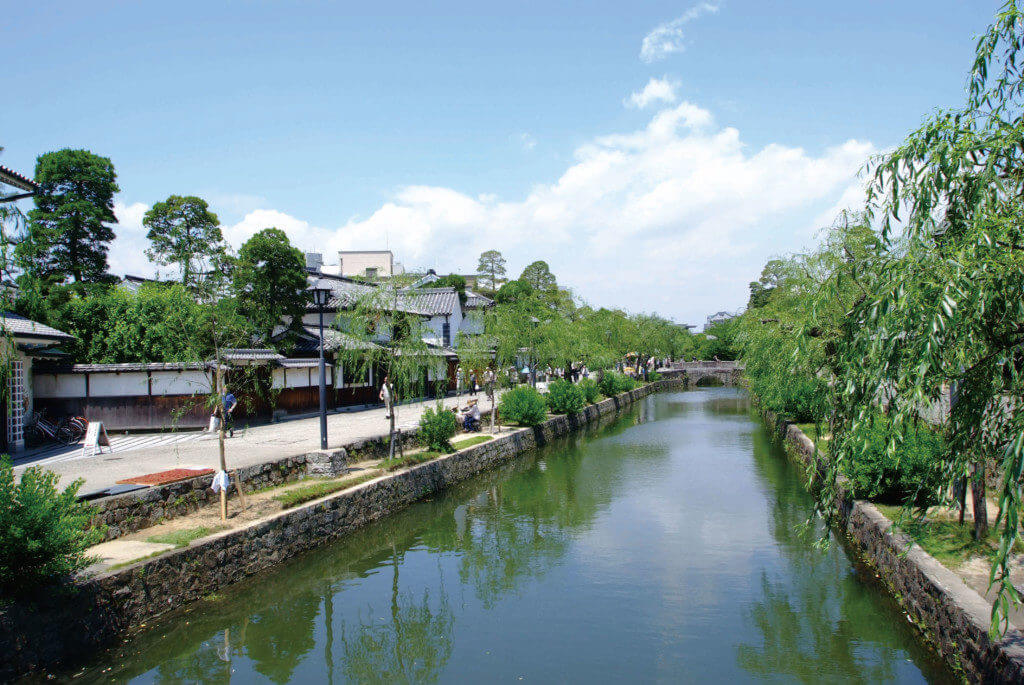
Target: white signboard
[[95, 439]]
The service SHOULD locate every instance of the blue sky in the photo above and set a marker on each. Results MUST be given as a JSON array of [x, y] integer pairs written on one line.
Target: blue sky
[[443, 129]]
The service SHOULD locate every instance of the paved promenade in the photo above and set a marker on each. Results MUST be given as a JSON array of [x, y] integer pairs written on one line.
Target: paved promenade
[[252, 445]]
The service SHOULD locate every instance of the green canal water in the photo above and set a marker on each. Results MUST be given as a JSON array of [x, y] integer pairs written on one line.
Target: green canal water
[[664, 546]]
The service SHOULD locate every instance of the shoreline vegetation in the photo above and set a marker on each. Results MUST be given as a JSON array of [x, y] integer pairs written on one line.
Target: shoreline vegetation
[[899, 335]]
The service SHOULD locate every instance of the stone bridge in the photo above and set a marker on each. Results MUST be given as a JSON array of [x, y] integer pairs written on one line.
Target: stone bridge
[[705, 373]]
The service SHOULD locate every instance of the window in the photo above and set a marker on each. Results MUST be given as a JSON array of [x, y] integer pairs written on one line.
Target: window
[[446, 333], [16, 404], [371, 272]]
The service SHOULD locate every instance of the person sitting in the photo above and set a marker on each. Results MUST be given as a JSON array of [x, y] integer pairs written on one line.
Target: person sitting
[[470, 416]]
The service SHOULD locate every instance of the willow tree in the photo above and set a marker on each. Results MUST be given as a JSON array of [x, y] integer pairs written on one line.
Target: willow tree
[[387, 335], [948, 309]]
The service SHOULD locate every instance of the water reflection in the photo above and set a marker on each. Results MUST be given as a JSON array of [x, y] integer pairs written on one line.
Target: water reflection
[[661, 546], [814, 625], [412, 646]]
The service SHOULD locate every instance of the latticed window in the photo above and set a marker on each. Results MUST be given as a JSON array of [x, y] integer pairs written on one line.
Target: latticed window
[[16, 403]]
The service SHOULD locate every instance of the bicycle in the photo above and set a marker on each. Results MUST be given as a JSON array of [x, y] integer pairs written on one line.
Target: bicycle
[[66, 431]]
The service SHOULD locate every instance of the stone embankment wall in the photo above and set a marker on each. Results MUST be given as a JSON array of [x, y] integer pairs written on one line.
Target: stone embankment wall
[[952, 616], [120, 515], [58, 629]]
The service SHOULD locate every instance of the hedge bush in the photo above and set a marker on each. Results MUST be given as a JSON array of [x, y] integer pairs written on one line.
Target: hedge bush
[[44, 532], [590, 390], [910, 475], [564, 397], [613, 383], [523, 405], [437, 427]]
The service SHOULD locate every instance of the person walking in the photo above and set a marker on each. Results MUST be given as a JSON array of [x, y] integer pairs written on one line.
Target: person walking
[[458, 381], [230, 402], [387, 397]]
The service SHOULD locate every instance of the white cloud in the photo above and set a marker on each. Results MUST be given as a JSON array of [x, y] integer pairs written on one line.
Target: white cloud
[[669, 37], [528, 141], [676, 217], [127, 254], [656, 90]]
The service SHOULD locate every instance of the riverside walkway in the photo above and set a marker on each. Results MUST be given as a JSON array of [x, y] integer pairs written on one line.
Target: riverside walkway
[[250, 445]]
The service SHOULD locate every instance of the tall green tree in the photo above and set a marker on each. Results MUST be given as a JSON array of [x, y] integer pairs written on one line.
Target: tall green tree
[[539, 276], [183, 232], [69, 231], [490, 271], [944, 306], [270, 281]]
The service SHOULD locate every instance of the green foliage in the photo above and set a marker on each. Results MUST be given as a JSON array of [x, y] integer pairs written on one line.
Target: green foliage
[[490, 271], [183, 232], [155, 323], [451, 281], [437, 426], [44, 532], [564, 397], [539, 277], [614, 383], [897, 467], [270, 281], [653, 376], [719, 340], [513, 291], [590, 390], [68, 231], [523, 405]]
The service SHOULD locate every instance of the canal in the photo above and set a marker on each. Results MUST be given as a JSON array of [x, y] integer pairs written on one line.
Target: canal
[[663, 546]]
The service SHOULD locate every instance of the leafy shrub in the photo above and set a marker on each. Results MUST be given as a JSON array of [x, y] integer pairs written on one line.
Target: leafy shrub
[[437, 426], [653, 376], [590, 390], [44, 532], [564, 397], [911, 474], [613, 383], [523, 405]]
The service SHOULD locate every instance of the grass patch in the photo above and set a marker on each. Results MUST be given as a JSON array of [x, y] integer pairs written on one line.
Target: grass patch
[[420, 457], [408, 460], [811, 431], [469, 442], [945, 539], [307, 493], [123, 564], [181, 538]]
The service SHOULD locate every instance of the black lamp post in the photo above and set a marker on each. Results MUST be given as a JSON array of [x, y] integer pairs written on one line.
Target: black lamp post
[[320, 298]]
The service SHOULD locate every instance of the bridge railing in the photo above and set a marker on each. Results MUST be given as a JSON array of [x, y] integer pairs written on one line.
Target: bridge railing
[[708, 366]]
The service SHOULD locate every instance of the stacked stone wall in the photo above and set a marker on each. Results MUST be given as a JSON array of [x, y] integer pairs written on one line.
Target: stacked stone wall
[[952, 617], [58, 629]]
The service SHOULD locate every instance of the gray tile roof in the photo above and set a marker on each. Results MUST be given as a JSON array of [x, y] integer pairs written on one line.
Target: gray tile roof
[[20, 326], [345, 293], [430, 301], [13, 178], [250, 355], [334, 340], [118, 368], [475, 300]]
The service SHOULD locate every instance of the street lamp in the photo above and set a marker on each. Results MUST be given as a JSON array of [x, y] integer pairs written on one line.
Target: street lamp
[[321, 296]]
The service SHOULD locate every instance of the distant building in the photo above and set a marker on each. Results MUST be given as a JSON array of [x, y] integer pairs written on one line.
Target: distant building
[[716, 318], [357, 264]]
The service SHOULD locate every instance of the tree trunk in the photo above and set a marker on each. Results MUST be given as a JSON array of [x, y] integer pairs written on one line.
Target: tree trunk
[[391, 432], [220, 440], [961, 498], [980, 507]]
